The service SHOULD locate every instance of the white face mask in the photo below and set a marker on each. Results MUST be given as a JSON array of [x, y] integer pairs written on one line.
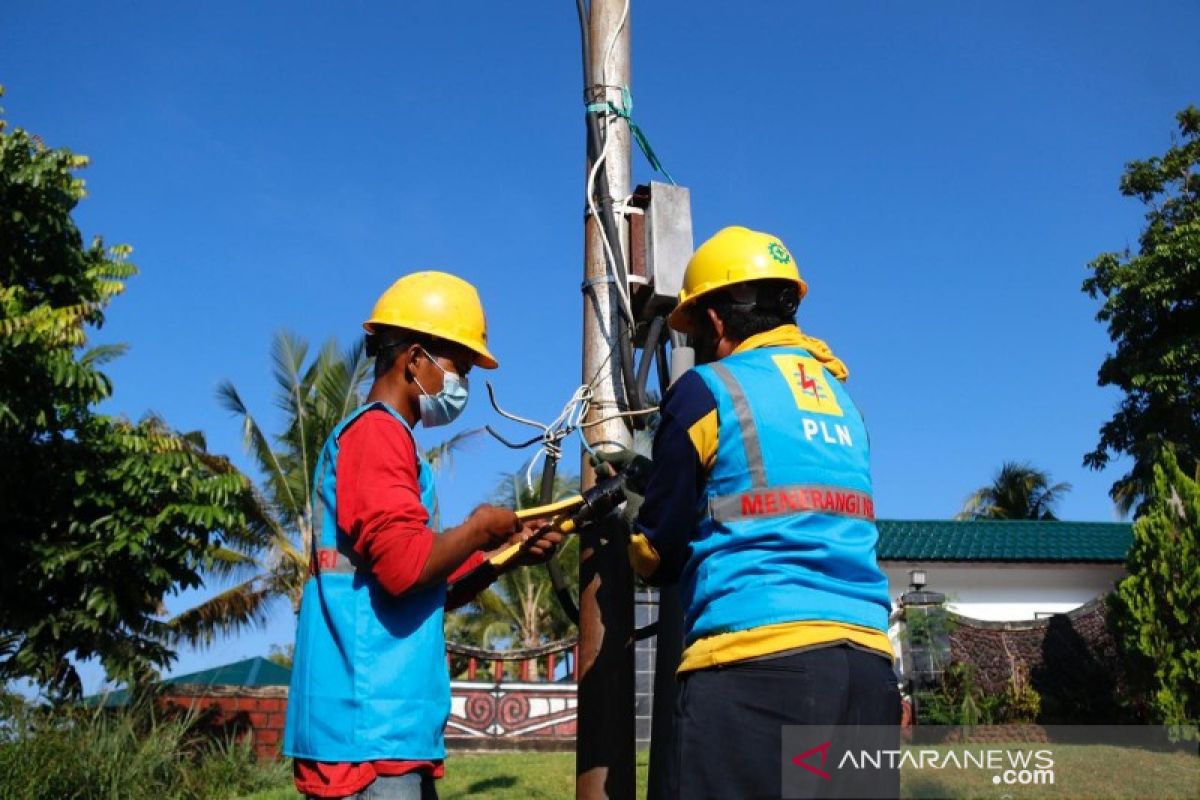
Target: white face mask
[[445, 406]]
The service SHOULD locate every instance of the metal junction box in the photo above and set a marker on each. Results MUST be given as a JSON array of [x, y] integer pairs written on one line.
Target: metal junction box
[[660, 245]]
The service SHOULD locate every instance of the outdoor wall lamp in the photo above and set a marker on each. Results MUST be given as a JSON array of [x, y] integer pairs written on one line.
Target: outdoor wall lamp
[[917, 578]]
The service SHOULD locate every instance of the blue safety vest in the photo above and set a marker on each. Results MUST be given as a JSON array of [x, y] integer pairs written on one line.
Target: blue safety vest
[[369, 680], [787, 528]]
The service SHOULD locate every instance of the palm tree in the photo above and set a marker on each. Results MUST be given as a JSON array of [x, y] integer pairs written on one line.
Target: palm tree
[[1018, 491], [520, 609], [314, 397]]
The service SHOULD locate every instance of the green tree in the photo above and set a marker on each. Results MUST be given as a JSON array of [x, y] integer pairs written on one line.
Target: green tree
[[283, 655], [1161, 596], [1152, 311], [102, 517], [314, 394], [1018, 491]]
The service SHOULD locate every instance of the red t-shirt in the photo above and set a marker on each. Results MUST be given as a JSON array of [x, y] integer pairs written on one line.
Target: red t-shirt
[[379, 508]]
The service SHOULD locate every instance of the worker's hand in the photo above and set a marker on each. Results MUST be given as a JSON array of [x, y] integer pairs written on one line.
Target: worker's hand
[[633, 505], [493, 526], [633, 469], [608, 463], [540, 544]]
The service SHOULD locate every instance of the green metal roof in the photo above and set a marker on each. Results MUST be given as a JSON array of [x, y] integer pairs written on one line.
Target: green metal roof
[[1003, 540], [256, 671], [253, 672]]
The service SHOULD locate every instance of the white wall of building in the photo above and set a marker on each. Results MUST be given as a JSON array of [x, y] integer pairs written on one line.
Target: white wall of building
[[1007, 592]]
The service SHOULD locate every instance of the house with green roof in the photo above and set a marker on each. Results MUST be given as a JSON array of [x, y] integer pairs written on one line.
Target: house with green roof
[[252, 674], [244, 698], [1005, 570]]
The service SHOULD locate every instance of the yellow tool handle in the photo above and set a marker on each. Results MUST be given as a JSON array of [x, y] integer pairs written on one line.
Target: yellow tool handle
[[505, 555], [569, 504], [513, 550]]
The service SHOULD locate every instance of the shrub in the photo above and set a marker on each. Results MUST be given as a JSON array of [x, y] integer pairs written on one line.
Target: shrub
[[134, 753]]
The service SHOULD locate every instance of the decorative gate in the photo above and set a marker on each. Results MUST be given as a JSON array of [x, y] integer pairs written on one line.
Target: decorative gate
[[528, 703]]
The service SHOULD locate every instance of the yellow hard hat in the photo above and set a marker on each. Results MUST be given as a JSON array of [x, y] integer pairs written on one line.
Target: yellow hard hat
[[440, 305], [733, 255]]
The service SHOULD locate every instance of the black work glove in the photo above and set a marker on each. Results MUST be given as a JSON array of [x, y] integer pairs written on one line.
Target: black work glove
[[634, 471]]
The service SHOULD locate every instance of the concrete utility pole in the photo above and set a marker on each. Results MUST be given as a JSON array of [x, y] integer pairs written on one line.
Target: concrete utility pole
[[605, 749]]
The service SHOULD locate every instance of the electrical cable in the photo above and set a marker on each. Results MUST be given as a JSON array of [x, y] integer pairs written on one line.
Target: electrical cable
[[612, 244], [663, 362], [620, 415], [649, 350], [603, 211], [558, 578]]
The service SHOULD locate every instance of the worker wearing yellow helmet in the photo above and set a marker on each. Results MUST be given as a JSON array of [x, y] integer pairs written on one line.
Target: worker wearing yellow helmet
[[370, 693], [785, 608]]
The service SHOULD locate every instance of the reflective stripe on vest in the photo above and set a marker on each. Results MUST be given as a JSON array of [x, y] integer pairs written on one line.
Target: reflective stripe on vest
[[330, 560], [779, 501], [786, 530], [750, 441], [327, 559]]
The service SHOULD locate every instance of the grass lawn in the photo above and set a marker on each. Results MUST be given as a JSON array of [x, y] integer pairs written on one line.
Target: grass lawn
[[1080, 772], [499, 776], [1087, 772]]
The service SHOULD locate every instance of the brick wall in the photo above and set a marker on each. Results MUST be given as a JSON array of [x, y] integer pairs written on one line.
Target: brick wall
[[484, 715], [236, 710]]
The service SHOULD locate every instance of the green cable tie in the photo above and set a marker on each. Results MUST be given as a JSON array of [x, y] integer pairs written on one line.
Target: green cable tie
[[639, 136]]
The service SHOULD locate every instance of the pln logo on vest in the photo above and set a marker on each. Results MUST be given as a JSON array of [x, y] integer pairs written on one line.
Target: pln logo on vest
[[808, 383]]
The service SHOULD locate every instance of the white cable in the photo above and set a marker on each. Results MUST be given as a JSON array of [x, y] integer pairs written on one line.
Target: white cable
[[622, 291], [612, 43], [566, 423], [624, 206]]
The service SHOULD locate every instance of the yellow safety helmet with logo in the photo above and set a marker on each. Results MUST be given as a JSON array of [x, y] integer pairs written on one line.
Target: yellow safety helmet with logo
[[440, 305], [733, 255]]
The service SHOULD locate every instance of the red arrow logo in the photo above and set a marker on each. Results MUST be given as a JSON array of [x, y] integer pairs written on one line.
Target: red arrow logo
[[823, 749]]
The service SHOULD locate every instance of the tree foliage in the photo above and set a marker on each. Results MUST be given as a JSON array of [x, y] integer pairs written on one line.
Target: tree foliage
[[102, 517], [1152, 310], [1161, 596], [1018, 491]]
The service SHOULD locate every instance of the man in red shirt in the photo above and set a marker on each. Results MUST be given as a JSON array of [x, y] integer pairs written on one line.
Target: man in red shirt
[[370, 691]]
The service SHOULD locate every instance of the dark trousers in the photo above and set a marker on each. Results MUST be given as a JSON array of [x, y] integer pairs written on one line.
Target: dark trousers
[[729, 721]]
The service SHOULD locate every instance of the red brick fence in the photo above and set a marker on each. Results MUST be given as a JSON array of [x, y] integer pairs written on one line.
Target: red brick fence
[[509, 700], [236, 711]]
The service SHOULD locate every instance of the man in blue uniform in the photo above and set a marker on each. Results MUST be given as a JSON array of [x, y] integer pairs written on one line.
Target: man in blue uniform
[[759, 505], [370, 692]]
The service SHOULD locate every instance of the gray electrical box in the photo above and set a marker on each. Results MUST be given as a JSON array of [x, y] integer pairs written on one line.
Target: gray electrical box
[[661, 239]]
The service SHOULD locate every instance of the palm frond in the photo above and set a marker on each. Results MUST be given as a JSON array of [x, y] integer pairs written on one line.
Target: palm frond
[[237, 609], [339, 382], [262, 530], [1018, 491], [288, 576], [255, 441], [491, 603], [442, 455], [288, 353], [227, 563], [103, 354]]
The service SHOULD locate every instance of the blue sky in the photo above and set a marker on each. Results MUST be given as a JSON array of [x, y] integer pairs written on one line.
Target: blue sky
[[943, 172]]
